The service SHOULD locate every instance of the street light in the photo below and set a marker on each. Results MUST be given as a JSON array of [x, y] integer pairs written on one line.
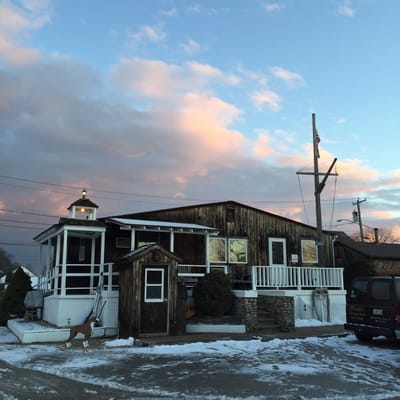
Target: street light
[[349, 221]]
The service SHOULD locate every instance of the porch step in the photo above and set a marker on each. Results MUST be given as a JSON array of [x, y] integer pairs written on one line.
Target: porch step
[[265, 317]]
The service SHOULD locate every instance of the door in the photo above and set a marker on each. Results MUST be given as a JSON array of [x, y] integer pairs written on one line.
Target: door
[[277, 260], [154, 316]]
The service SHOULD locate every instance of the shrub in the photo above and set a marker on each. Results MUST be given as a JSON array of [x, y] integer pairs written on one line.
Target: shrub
[[12, 304], [213, 294]]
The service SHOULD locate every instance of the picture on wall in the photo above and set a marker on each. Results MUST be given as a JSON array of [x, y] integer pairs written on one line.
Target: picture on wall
[[238, 251], [309, 252], [217, 250]]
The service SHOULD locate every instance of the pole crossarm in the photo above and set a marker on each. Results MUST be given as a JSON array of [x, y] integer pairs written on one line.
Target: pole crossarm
[[320, 173]]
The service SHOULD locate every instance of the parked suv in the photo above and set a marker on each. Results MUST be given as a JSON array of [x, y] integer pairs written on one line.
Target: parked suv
[[373, 307]]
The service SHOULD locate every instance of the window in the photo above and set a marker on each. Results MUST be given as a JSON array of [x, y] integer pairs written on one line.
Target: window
[[238, 251], [217, 250], [122, 242], [82, 250], [154, 285], [277, 251], [359, 289], [380, 290], [309, 252], [230, 214]]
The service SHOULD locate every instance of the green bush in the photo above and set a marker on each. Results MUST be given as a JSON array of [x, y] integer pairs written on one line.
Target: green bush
[[12, 304], [213, 294]]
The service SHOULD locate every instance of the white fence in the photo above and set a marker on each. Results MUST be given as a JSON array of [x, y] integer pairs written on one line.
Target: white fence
[[271, 277]]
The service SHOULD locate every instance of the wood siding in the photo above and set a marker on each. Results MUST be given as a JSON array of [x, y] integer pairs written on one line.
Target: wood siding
[[237, 220]]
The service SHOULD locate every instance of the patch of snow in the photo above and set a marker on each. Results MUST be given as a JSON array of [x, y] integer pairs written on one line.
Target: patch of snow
[[302, 323], [6, 336], [120, 342]]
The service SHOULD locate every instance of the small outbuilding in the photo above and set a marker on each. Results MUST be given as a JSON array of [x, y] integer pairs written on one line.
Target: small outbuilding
[[148, 289]]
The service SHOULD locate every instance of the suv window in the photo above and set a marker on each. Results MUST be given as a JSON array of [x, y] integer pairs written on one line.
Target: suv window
[[359, 289], [380, 289]]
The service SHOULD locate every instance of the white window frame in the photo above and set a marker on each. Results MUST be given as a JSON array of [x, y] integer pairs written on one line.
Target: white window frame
[[147, 285], [270, 254]]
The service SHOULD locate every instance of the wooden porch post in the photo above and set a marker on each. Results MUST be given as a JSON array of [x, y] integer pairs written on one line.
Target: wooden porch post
[[64, 265], [92, 262], [133, 239], [207, 258]]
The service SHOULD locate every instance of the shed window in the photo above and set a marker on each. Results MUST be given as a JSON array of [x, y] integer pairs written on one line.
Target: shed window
[[230, 214], [154, 285]]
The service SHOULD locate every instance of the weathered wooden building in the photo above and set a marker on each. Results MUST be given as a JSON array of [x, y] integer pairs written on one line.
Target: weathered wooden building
[[128, 267], [246, 237]]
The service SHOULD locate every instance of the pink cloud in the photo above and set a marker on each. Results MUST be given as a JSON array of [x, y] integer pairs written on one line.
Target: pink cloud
[[266, 98], [16, 21]]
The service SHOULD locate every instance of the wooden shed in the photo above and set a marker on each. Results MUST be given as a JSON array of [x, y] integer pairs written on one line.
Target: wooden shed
[[148, 281]]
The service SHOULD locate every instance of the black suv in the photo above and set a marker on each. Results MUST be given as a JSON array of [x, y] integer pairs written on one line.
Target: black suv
[[373, 307]]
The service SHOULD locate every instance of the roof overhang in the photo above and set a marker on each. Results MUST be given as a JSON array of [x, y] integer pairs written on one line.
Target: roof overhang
[[82, 231], [162, 226]]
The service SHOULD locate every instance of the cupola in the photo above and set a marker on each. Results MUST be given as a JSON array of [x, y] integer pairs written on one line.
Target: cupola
[[83, 208]]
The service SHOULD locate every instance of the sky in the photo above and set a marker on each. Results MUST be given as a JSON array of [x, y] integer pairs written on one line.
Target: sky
[[314, 368], [168, 103]]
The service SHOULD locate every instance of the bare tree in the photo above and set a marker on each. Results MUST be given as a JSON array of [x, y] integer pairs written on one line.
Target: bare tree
[[384, 235]]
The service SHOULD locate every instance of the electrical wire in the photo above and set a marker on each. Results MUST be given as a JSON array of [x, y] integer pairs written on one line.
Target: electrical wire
[[302, 199]]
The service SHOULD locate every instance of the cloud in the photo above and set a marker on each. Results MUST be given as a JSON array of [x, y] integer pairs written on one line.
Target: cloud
[[345, 9], [157, 79], [16, 22], [171, 12], [148, 33], [191, 47], [274, 7], [266, 98], [293, 79], [341, 121]]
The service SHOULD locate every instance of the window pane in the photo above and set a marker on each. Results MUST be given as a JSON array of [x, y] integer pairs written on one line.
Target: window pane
[[277, 253], [153, 292], [380, 290], [154, 277]]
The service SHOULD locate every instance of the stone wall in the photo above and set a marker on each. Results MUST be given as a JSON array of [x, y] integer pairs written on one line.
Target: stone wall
[[246, 308]]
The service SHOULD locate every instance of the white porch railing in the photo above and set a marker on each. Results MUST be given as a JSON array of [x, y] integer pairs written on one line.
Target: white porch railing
[[271, 277], [197, 271], [79, 279]]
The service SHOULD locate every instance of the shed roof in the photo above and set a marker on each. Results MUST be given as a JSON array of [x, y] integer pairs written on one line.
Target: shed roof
[[143, 250]]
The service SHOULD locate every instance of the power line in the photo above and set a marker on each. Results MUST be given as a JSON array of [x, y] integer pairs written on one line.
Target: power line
[[21, 227], [22, 222], [29, 213], [18, 244], [75, 188]]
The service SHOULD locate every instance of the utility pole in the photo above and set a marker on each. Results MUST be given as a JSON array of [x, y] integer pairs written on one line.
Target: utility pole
[[318, 188], [358, 202]]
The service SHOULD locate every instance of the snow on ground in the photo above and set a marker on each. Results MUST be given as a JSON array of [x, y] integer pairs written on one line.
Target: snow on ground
[[312, 368]]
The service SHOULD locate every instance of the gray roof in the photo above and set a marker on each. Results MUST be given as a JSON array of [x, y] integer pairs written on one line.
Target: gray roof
[[372, 250], [163, 225]]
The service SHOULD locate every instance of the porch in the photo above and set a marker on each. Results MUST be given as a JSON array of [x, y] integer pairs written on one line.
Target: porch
[[73, 291]]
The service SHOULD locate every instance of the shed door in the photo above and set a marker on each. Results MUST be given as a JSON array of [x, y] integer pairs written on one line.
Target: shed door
[[154, 304]]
